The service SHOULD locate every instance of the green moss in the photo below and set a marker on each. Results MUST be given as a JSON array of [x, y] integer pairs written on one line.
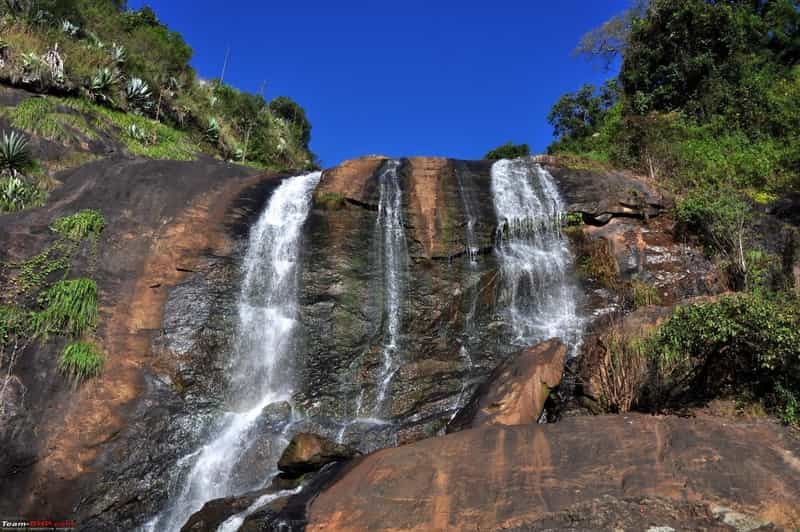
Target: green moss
[[83, 224], [13, 323], [41, 116], [81, 360]]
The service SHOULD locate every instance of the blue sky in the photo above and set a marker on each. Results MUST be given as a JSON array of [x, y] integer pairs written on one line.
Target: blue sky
[[450, 78]]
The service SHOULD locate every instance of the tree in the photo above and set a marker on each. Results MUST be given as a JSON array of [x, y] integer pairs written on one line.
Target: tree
[[577, 115], [287, 109], [609, 41]]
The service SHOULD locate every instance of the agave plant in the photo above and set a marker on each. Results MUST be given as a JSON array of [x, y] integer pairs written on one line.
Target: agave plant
[[142, 135], [94, 40], [212, 131], [118, 53], [138, 94], [14, 155], [101, 85], [69, 28], [16, 194], [33, 67]]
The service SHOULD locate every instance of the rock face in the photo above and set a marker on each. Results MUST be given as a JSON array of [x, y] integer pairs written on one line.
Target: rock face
[[167, 268], [309, 452], [164, 265], [512, 477], [516, 392]]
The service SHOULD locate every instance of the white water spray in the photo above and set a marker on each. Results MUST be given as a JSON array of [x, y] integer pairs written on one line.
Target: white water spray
[[267, 313], [534, 256]]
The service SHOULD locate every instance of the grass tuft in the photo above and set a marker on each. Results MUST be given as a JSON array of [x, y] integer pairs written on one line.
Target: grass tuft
[[70, 308], [81, 361]]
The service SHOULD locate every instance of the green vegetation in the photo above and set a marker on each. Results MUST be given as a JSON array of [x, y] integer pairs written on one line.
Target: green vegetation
[[508, 150], [708, 95], [83, 224], [330, 201], [707, 106], [594, 258], [14, 154], [643, 294], [70, 308], [17, 194], [744, 344], [39, 301], [128, 77], [81, 361]]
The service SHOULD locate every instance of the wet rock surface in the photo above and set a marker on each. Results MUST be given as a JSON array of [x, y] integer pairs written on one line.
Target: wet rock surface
[[308, 452], [510, 477], [168, 270]]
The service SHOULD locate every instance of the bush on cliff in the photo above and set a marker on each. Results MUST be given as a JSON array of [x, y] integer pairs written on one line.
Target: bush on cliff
[[745, 345], [508, 150]]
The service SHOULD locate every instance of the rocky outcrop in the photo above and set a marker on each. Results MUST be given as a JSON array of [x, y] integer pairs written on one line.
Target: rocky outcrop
[[601, 196], [308, 452], [517, 390], [514, 477], [164, 267]]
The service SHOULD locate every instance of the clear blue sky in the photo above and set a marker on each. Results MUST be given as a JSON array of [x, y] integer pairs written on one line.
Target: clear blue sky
[[451, 78]]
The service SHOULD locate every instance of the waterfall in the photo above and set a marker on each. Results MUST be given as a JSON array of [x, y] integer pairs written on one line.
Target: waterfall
[[469, 209], [539, 299], [259, 369], [392, 236]]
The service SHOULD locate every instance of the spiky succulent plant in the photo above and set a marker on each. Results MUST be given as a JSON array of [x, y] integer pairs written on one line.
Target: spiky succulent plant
[[138, 94], [69, 28], [14, 155], [16, 194], [212, 131], [118, 54], [102, 84]]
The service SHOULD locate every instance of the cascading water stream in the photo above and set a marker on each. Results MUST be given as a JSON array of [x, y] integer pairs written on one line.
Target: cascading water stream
[[395, 261], [534, 256], [259, 369]]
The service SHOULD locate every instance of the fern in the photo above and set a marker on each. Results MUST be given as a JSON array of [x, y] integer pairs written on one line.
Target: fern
[[70, 308], [83, 224]]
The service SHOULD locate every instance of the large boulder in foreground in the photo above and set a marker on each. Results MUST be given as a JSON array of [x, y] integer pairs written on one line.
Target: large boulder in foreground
[[501, 477], [309, 452], [517, 390]]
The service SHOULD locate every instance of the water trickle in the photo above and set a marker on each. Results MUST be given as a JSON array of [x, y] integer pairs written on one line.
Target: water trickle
[[469, 210], [392, 238], [538, 296], [259, 368]]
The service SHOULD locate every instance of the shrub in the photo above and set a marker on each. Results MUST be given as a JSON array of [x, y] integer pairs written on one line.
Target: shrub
[[14, 154], [16, 194], [741, 344], [643, 294], [83, 224], [508, 151], [70, 308], [623, 369], [594, 259], [81, 361]]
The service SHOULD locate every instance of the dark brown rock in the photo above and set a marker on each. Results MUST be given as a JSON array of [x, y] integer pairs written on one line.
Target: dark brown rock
[[507, 477], [516, 392], [309, 452]]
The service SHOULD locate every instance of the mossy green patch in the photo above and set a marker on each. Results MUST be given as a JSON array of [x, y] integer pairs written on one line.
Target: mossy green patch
[[88, 223]]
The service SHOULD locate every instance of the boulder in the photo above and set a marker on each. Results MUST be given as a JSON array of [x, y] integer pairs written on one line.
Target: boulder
[[309, 452], [499, 477], [517, 390]]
